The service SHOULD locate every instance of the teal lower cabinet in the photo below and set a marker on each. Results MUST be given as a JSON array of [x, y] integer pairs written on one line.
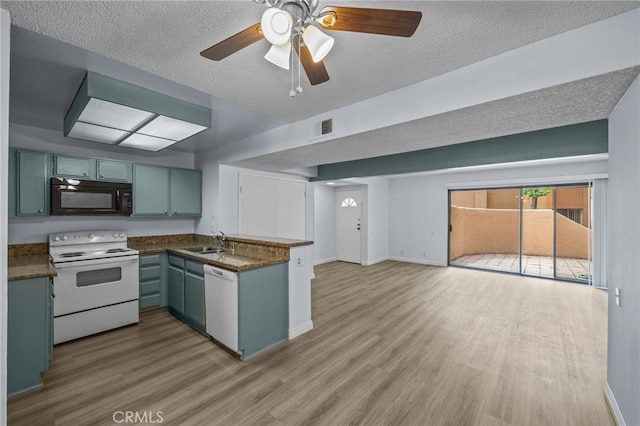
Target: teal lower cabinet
[[175, 286], [29, 332], [194, 295], [261, 319], [186, 291], [263, 308], [153, 280]]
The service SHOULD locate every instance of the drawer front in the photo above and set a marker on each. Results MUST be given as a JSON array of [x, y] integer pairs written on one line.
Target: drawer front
[[195, 267], [148, 300], [150, 273], [176, 261], [150, 259], [150, 287]]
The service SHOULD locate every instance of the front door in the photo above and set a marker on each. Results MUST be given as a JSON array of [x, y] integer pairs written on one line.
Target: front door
[[348, 226]]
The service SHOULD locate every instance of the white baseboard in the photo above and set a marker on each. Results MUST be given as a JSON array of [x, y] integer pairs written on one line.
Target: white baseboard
[[382, 259], [301, 329], [321, 261], [418, 261], [613, 406], [374, 261]]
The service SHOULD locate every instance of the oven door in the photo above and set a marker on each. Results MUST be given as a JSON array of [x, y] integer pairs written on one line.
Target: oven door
[[89, 284]]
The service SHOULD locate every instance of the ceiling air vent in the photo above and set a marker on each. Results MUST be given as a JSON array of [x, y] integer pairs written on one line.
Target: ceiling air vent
[[327, 126]]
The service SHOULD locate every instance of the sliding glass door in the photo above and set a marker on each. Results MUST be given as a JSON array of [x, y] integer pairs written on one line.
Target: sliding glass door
[[536, 231], [574, 239], [485, 229]]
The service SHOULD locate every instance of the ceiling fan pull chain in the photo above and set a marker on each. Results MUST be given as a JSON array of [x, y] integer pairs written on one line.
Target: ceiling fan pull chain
[[292, 92], [299, 88]]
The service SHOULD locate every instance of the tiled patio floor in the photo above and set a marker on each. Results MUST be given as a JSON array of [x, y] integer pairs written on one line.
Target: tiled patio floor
[[576, 269]]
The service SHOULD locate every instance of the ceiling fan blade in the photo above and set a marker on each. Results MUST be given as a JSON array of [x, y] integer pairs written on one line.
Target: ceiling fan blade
[[391, 22], [234, 43], [316, 72]]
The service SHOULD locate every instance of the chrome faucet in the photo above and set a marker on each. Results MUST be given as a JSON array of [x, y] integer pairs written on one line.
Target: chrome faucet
[[221, 238]]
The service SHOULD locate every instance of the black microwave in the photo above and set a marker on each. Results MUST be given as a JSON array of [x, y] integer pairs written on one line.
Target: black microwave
[[87, 197]]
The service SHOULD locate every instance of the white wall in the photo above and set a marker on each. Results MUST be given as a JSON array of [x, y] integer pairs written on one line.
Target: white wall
[[229, 187], [209, 223], [418, 205], [418, 216], [623, 359], [300, 274], [324, 242], [375, 220], [5, 34], [24, 230]]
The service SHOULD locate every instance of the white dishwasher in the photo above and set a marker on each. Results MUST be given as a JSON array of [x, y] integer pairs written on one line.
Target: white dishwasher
[[221, 305]]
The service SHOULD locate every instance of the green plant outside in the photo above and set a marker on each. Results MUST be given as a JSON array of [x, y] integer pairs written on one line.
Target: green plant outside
[[534, 194]]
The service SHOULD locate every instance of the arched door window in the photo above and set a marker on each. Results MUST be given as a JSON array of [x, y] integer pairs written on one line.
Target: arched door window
[[349, 202]]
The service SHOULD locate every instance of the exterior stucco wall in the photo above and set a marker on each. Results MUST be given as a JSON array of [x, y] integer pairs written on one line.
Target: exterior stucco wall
[[497, 231]]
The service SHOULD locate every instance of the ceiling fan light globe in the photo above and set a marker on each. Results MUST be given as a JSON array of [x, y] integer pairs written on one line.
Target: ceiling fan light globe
[[279, 55], [276, 25], [319, 43]]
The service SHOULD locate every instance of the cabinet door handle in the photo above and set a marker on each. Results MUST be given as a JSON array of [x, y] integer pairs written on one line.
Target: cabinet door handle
[[40, 211], [86, 174], [166, 212]]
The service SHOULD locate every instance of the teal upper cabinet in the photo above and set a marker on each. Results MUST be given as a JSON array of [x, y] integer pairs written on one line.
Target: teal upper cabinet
[[160, 191], [116, 171], [150, 190], [32, 195], [75, 167], [186, 192]]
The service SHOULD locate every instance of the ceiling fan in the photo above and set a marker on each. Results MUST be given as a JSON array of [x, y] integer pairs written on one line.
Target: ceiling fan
[[292, 25]]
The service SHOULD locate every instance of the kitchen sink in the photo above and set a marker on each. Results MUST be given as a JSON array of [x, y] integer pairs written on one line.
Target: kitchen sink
[[206, 249]]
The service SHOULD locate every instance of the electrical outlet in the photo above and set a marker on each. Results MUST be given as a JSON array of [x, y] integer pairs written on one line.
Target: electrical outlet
[[299, 261], [618, 292]]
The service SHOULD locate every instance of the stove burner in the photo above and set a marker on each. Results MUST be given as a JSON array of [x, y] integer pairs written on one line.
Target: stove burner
[[72, 254], [117, 250]]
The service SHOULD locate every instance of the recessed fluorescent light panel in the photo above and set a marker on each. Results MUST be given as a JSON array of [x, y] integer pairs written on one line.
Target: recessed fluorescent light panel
[[114, 112]]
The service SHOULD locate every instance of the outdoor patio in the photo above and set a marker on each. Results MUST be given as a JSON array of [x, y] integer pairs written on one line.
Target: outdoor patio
[[575, 269]]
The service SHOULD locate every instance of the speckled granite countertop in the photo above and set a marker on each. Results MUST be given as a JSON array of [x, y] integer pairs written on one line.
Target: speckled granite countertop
[[269, 241], [231, 262], [29, 266], [243, 252]]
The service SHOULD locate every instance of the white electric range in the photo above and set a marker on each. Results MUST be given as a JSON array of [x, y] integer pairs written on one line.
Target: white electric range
[[96, 288]]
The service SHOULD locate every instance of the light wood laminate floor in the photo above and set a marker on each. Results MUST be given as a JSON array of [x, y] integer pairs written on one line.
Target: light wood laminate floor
[[393, 343]]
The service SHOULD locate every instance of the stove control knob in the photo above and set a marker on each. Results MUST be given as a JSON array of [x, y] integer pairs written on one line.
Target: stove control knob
[[121, 235], [64, 238], [91, 236], [115, 235], [56, 238]]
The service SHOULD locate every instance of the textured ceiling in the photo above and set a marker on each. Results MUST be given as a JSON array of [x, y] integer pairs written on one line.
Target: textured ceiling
[[157, 44], [165, 38], [580, 101]]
